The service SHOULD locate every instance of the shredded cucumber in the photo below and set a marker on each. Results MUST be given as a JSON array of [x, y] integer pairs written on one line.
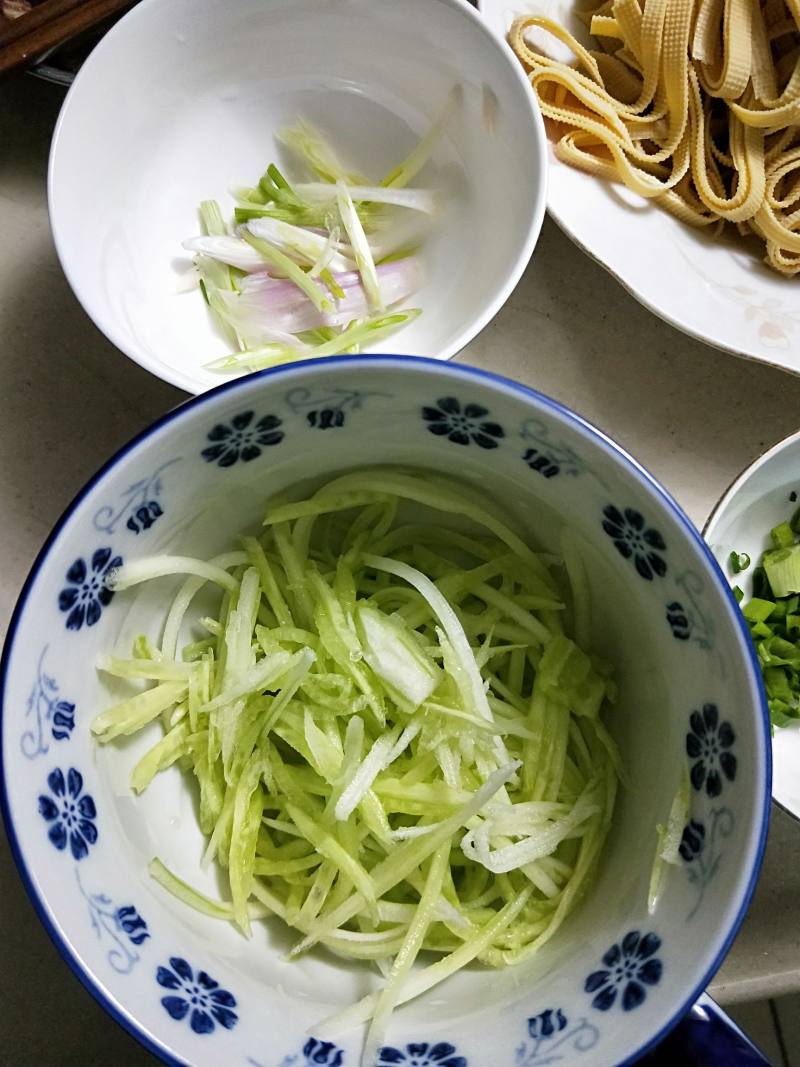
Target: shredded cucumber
[[380, 765], [669, 839]]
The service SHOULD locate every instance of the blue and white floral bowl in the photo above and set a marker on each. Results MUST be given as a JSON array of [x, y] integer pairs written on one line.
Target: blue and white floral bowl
[[616, 978]]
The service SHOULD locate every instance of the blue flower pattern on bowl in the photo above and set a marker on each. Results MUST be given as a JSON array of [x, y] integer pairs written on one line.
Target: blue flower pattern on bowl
[[63, 720], [140, 502], [686, 616], [241, 439], [122, 927], [546, 456], [87, 592], [318, 1053], [461, 426], [144, 516], [541, 462], [679, 622], [315, 1053], [630, 967], [634, 539], [197, 996], [701, 850], [44, 707], [327, 409], [553, 1037], [322, 1053], [692, 840], [442, 1054], [547, 1023], [325, 419], [130, 922], [708, 744], [70, 812]]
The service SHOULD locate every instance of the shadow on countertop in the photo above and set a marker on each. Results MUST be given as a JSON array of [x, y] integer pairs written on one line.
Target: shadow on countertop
[[656, 391], [70, 399]]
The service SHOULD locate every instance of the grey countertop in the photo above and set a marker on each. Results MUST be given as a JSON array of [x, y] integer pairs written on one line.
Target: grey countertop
[[695, 417]]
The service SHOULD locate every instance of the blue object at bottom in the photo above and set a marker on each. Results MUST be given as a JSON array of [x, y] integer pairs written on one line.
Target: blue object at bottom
[[706, 1037]]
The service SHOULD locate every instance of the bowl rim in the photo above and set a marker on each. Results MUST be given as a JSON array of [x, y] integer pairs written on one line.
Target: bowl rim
[[738, 481], [106, 322], [724, 501], [71, 953]]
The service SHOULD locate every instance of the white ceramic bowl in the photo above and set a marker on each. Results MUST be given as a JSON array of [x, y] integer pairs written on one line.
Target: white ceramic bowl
[[756, 502], [181, 100], [615, 979], [717, 291]]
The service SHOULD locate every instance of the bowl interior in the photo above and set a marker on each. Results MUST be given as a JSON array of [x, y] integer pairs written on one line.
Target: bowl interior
[[741, 522], [178, 104], [660, 613]]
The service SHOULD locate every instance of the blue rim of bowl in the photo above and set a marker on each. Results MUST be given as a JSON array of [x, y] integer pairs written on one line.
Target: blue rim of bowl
[[505, 385], [173, 375]]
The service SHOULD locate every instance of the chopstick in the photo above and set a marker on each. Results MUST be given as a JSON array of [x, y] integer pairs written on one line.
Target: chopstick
[[24, 38]]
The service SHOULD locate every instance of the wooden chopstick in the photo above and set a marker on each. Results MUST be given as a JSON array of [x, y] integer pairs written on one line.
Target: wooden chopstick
[[24, 38], [38, 16]]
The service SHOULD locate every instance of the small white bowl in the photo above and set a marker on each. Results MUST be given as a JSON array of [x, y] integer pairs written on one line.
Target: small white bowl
[[615, 979], [756, 502], [181, 100]]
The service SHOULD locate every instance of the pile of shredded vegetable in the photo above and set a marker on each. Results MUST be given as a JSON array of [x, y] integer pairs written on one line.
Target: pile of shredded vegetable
[[394, 724], [773, 617], [317, 267]]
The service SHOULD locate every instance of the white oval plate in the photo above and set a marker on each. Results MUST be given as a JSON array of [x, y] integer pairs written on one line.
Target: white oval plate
[[717, 291]]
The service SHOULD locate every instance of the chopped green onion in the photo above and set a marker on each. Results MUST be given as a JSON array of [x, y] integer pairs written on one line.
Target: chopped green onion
[[782, 535], [774, 621], [739, 561], [360, 246], [782, 566], [416, 160], [356, 334], [311, 146], [415, 199], [275, 258], [286, 236], [758, 610], [212, 220], [295, 240]]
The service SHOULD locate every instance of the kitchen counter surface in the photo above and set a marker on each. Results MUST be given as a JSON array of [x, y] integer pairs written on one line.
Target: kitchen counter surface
[[695, 417]]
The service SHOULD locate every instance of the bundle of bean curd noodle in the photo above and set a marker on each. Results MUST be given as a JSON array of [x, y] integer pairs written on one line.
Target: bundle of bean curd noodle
[[396, 735], [694, 104]]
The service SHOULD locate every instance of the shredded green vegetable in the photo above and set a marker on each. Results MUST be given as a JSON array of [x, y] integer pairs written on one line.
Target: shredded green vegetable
[[398, 744], [739, 561], [773, 617], [669, 839]]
